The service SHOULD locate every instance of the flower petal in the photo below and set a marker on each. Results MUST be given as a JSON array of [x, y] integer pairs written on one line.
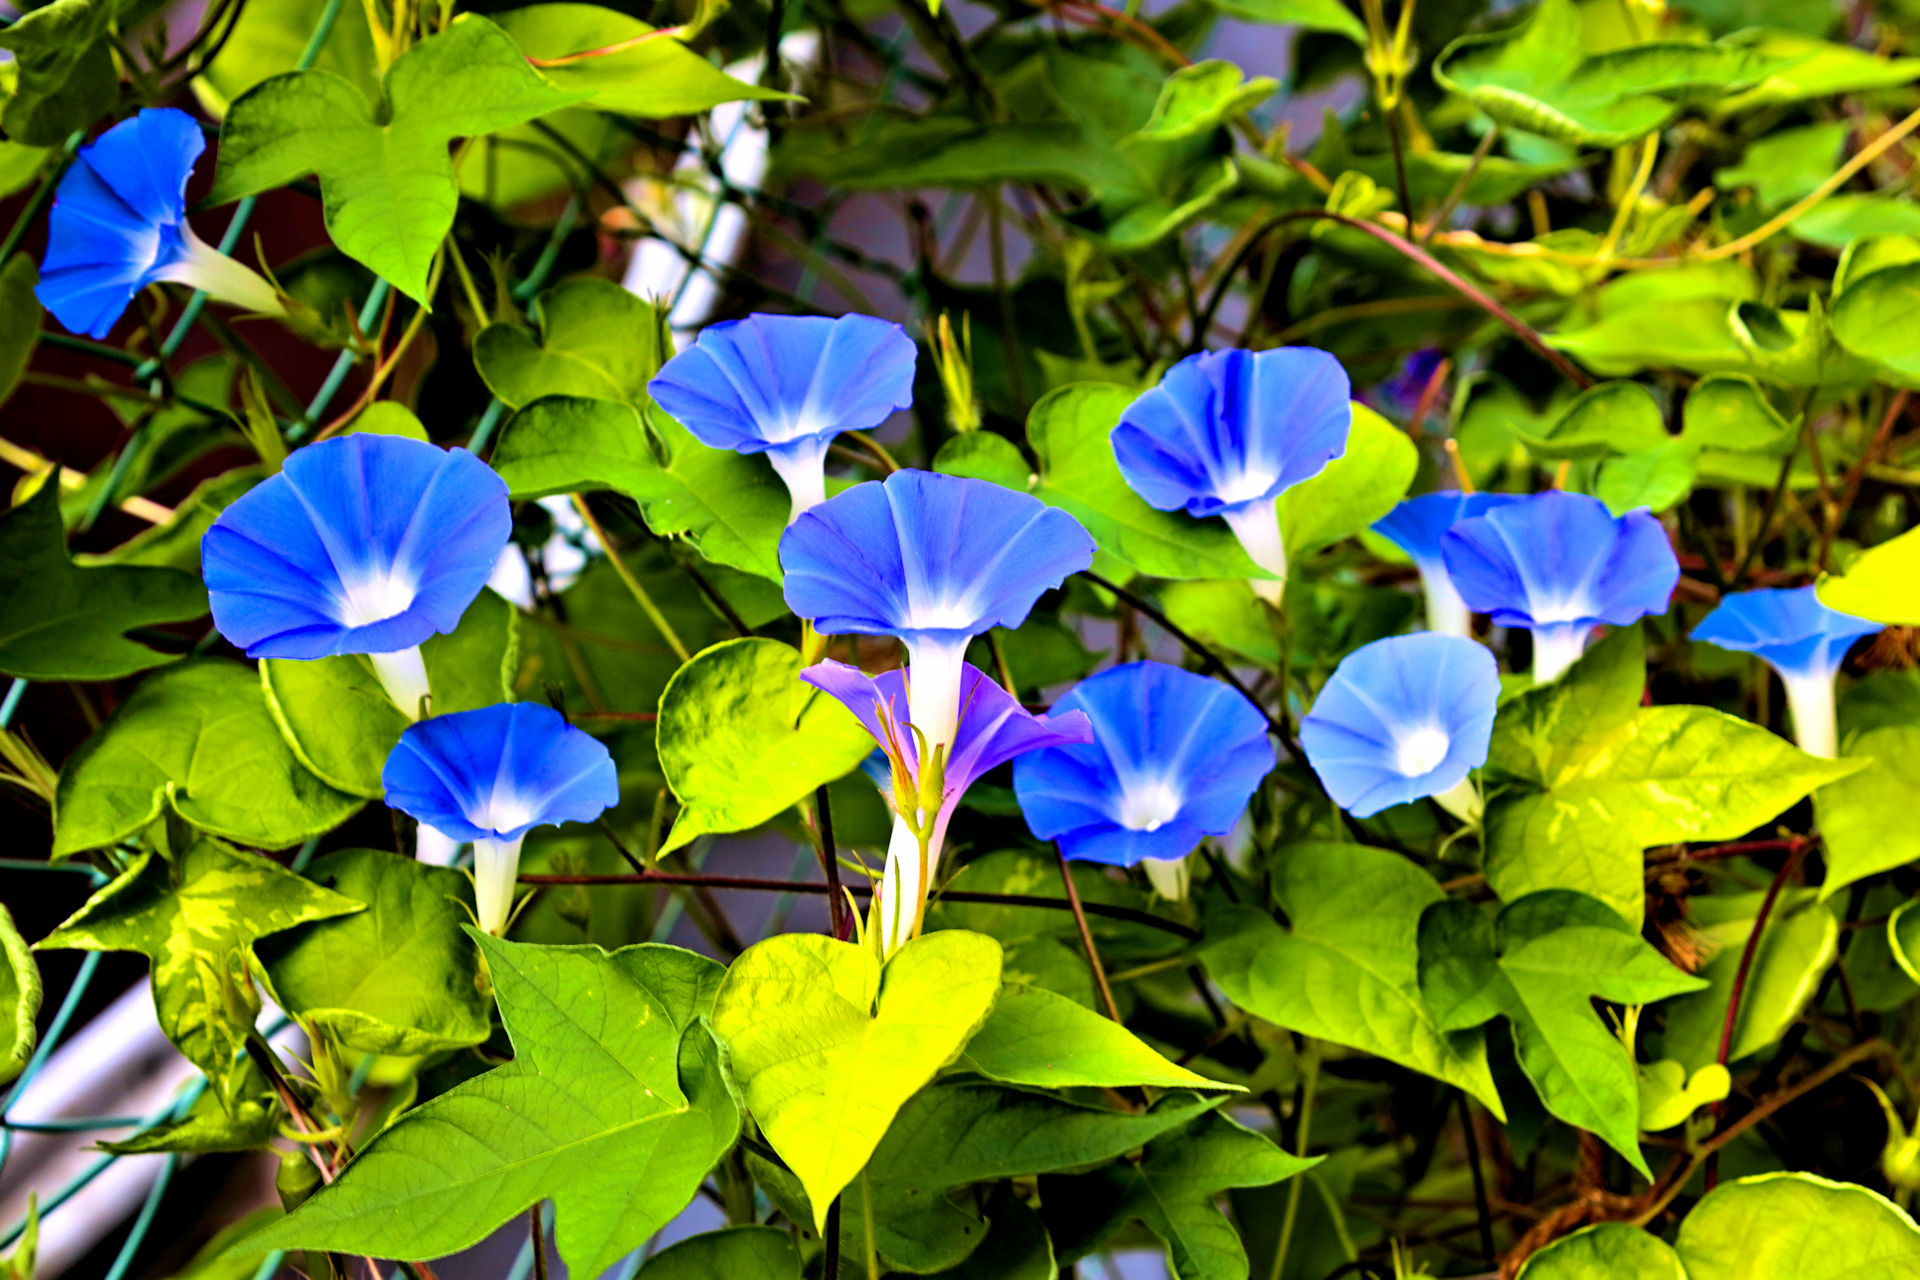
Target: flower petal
[[1385, 691], [771, 379], [498, 772], [1788, 629], [1226, 428], [1560, 558], [305, 564], [117, 218], [1184, 748], [1417, 524], [993, 729], [927, 555]]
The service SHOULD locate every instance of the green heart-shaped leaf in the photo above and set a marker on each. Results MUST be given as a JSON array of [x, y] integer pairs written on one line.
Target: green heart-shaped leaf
[[1880, 583], [400, 977], [59, 621], [740, 738], [197, 738], [596, 340], [1602, 1252], [827, 1047], [1357, 488]]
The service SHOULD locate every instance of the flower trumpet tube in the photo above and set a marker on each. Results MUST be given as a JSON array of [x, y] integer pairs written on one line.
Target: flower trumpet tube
[[934, 560], [1174, 758], [926, 786], [119, 224], [361, 544], [1416, 527], [785, 386], [1225, 433], [491, 776], [1559, 565], [1403, 718], [1803, 641]]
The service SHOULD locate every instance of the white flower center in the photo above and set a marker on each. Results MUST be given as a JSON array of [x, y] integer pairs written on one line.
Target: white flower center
[[1420, 750], [375, 598], [1148, 806], [1244, 487], [503, 811], [1564, 609], [942, 615], [798, 425]]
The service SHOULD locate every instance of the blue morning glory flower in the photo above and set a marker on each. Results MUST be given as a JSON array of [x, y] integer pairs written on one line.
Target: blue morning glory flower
[[491, 776], [1175, 757], [1803, 641], [993, 728], [785, 386], [1225, 433], [1559, 564], [1416, 527], [361, 544], [934, 560], [119, 223], [1402, 718]]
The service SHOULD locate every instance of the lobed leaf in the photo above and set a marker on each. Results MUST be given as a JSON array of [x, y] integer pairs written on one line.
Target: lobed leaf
[[196, 916], [386, 177], [1539, 963], [615, 1107], [59, 621], [1348, 970], [401, 977]]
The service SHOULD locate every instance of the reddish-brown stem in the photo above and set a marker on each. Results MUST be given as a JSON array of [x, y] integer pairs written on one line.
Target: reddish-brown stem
[[1796, 850], [830, 863], [1433, 266], [1732, 849], [813, 886], [607, 50], [1086, 936], [1143, 35], [1429, 394], [1850, 487]]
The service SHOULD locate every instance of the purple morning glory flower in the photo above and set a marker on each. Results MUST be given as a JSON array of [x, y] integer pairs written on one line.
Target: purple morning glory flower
[[1225, 433], [1175, 757], [993, 728], [361, 544], [1416, 527], [119, 223], [934, 560], [1803, 641], [491, 776], [1402, 718], [1401, 393], [1559, 564], [785, 386]]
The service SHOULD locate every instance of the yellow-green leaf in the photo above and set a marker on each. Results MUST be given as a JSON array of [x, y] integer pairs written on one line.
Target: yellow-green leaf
[[826, 1047], [741, 738], [195, 917]]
